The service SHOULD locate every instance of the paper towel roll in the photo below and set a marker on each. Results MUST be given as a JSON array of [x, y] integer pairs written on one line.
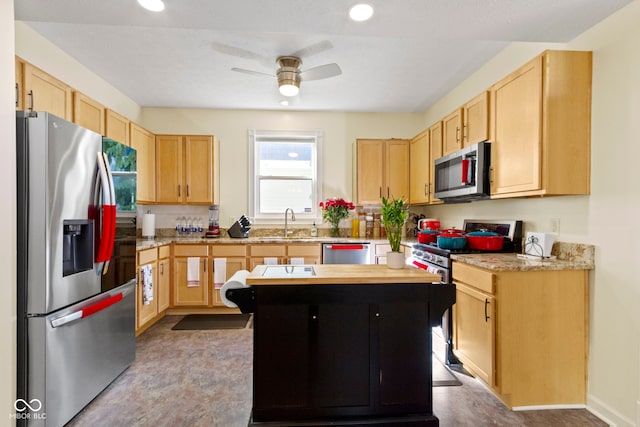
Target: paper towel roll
[[237, 281], [148, 225]]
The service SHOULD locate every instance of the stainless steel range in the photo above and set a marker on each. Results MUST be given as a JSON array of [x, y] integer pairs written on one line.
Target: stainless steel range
[[438, 261]]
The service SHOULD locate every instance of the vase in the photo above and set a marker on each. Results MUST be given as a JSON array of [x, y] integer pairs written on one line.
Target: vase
[[395, 260], [335, 230]]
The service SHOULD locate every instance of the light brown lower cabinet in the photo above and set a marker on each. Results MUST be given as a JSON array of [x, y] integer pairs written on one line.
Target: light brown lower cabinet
[[197, 292], [524, 333], [158, 260], [236, 259]]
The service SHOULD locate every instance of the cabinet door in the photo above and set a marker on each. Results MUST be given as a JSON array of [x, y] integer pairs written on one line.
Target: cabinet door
[[234, 264], [452, 132], [475, 331], [169, 188], [420, 169], [516, 114], [476, 120], [397, 169], [146, 312], [281, 380], [88, 113], [198, 169], [435, 152], [143, 142], [19, 84], [184, 295], [400, 327], [370, 164], [116, 127], [164, 284], [46, 93]]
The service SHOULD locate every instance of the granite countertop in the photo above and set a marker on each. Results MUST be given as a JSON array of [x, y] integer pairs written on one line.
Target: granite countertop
[[568, 256], [142, 244]]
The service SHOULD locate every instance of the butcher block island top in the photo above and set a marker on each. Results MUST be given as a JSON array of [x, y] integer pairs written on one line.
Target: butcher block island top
[[343, 274]]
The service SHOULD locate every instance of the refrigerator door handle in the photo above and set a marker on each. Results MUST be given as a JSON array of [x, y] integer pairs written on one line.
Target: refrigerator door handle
[[107, 237], [87, 311]]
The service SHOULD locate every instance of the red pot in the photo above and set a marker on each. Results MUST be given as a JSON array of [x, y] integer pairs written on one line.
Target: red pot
[[428, 236], [485, 241]]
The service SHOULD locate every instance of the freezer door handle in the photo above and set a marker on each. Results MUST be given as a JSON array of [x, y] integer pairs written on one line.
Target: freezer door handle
[[87, 311]]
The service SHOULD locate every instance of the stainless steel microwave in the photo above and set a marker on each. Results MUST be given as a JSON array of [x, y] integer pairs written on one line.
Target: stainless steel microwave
[[463, 176]]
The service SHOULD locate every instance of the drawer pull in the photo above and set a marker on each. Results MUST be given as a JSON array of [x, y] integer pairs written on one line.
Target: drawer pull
[[486, 315]]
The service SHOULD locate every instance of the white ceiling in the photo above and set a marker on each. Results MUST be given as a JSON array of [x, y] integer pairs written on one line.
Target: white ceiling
[[411, 53]]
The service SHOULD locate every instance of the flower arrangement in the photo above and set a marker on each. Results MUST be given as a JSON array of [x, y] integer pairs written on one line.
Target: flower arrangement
[[333, 210]]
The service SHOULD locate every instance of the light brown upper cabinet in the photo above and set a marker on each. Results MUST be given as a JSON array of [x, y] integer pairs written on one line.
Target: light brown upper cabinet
[[382, 170], [435, 152], [540, 127], [144, 143], [185, 169], [116, 127], [452, 132], [420, 167], [43, 92], [88, 113], [19, 84], [475, 114]]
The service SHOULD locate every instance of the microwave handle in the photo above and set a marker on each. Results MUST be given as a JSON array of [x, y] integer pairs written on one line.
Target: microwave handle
[[466, 167]]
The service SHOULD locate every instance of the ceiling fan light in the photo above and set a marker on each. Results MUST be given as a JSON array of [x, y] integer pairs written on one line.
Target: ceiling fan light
[[289, 89], [361, 12], [152, 5]]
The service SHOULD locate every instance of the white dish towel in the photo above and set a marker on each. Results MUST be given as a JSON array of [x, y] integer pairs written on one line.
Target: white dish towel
[[296, 261], [271, 261], [219, 272], [193, 271], [147, 284]]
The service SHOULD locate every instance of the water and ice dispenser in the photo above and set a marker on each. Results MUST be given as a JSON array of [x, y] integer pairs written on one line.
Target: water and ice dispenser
[[77, 246]]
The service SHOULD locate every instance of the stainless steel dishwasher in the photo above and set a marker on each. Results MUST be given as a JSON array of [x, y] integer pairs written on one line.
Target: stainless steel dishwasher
[[346, 253]]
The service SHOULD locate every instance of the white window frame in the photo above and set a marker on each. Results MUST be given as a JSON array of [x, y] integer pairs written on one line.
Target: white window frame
[[256, 135]]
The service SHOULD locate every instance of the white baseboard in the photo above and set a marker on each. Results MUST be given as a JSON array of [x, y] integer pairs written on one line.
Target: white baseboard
[[547, 407]]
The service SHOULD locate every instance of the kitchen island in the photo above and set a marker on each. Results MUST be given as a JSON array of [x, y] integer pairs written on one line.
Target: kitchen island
[[344, 344]]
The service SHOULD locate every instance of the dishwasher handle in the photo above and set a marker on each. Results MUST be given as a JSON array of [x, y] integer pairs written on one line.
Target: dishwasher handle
[[343, 247]]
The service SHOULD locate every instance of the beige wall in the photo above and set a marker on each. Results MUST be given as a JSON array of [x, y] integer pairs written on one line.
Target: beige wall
[[230, 126], [7, 216], [606, 218]]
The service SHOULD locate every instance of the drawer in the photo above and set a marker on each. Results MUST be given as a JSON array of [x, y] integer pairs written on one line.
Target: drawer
[[382, 249], [191, 250], [148, 255], [228, 250], [268, 250], [164, 251], [476, 277], [314, 250]]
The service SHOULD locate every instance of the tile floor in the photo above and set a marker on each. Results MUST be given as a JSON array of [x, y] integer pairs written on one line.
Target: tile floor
[[203, 379]]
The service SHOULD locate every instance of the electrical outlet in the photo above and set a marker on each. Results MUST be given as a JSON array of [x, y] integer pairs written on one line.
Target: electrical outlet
[[555, 225]]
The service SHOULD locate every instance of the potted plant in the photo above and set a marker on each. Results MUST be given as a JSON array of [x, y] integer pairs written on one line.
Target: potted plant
[[394, 214]]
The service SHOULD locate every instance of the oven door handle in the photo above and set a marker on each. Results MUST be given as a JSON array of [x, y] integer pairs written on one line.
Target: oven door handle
[[345, 247]]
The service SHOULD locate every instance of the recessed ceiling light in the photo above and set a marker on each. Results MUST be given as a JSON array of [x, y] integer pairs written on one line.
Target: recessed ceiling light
[[152, 5], [361, 12], [284, 102]]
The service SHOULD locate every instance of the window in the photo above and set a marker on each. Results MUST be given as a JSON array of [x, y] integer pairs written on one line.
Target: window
[[122, 161], [285, 173]]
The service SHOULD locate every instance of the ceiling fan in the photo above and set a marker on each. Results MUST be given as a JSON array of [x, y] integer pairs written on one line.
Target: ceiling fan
[[290, 75]]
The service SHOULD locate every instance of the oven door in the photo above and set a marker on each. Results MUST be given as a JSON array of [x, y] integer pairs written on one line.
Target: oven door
[[431, 268]]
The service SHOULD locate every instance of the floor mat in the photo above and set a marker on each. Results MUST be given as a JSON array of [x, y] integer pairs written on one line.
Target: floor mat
[[442, 375], [212, 321]]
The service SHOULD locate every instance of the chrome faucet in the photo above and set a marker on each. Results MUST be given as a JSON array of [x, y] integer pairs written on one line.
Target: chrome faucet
[[293, 218]]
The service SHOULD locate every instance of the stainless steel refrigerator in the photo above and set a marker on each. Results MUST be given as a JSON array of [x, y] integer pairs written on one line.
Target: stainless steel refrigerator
[[76, 267]]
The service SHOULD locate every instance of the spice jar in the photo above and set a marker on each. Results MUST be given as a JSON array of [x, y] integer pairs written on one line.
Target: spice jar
[[376, 225], [355, 226], [369, 229], [362, 232]]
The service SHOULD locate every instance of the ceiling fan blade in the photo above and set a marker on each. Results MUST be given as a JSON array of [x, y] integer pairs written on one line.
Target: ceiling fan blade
[[241, 53], [321, 72], [253, 73], [313, 49]]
